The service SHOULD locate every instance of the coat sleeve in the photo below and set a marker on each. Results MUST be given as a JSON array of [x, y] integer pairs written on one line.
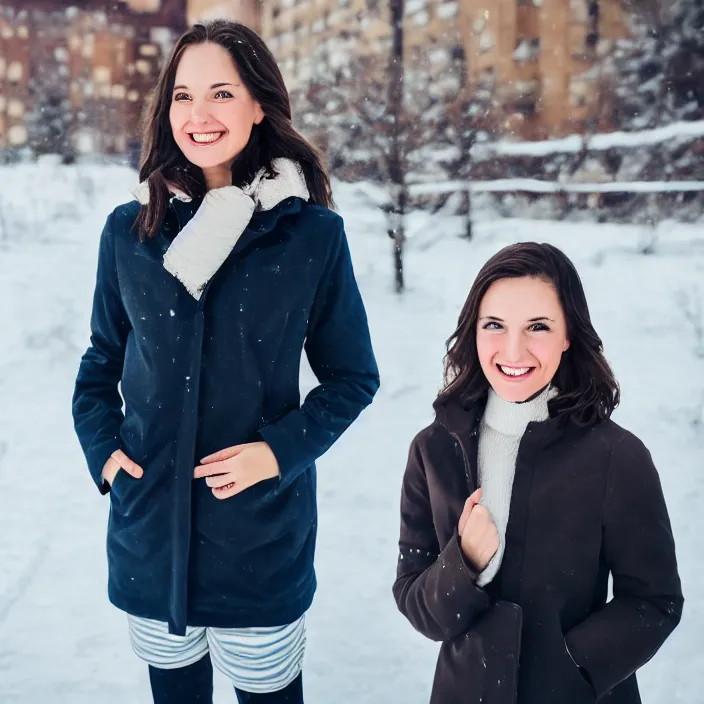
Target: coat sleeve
[[639, 550], [339, 350], [97, 404], [435, 589]]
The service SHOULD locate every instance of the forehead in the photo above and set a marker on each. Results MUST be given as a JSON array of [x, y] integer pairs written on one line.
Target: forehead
[[521, 298], [206, 63]]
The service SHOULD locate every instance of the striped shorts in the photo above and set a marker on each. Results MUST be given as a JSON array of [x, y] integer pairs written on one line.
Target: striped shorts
[[256, 660]]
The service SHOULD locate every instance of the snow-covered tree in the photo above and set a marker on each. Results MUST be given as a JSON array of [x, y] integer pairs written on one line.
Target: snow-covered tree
[[658, 72], [49, 125]]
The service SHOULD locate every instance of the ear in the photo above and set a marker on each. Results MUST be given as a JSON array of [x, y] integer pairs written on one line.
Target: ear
[[566, 345], [258, 114]]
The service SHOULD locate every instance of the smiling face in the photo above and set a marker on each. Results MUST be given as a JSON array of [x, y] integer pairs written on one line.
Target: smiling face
[[521, 335], [212, 112]]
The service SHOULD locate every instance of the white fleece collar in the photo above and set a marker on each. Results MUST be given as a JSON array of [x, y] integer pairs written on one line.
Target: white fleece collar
[[200, 248], [267, 193]]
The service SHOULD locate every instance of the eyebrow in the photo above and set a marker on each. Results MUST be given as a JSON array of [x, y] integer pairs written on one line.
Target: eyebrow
[[215, 85], [532, 320]]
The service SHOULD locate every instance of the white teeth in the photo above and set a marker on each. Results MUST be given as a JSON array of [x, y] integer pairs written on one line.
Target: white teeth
[[206, 137], [513, 371]]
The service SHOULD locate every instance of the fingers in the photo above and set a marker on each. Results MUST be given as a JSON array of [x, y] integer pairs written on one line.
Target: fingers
[[132, 468], [211, 469], [227, 491], [465, 516], [225, 454], [220, 481], [476, 497], [469, 504], [481, 517], [110, 470]]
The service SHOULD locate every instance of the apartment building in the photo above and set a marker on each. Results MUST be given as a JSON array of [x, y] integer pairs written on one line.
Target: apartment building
[[248, 12], [537, 60], [76, 79]]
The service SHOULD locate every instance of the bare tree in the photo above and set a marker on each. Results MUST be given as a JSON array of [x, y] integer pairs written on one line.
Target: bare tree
[[469, 116], [396, 170]]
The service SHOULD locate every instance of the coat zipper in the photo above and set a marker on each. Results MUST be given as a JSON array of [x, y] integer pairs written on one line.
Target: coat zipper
[[467, 467], [471, 488]]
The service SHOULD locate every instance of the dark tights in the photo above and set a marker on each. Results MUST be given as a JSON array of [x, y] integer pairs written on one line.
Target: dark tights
[[194, 685]]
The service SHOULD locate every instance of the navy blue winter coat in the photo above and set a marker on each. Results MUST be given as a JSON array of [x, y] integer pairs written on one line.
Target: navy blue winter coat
[[199, 376]]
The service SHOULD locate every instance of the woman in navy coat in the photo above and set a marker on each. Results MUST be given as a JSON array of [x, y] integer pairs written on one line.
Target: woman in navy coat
[[210, 285]]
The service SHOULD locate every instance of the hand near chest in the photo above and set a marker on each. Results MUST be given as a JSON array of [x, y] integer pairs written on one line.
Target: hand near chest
[[234, 469], [479, 536]]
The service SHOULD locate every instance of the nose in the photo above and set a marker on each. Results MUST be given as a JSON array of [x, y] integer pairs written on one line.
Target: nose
[[199, 111], [514, 347]]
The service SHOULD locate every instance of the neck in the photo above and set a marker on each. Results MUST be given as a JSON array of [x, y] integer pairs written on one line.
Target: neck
[[535, 395], [217, 177], [512, 418]]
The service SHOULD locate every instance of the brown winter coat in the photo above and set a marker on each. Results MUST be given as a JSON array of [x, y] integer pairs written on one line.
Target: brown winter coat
[[586, 503]]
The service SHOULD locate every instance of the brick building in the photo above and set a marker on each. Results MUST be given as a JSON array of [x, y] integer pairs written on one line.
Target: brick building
[[248, 12], [75, 80], [539, 59], [80, 76]]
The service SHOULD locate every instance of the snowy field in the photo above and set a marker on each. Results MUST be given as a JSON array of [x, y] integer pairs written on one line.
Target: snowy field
[[60, 640]]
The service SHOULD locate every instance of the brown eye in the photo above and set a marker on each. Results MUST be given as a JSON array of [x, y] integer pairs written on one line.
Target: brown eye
[[180, 96], [223, 94], [539, 327]]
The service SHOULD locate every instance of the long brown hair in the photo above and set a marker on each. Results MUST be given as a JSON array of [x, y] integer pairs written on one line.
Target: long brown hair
[[163, 163], [588, 390]]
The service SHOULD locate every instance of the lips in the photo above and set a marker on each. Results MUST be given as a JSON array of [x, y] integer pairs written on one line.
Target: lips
[[205, 138], [514, 373]]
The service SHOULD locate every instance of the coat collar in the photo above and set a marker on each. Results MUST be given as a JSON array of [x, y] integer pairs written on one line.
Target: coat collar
[[180, 212], [464, 421], [262, 221]]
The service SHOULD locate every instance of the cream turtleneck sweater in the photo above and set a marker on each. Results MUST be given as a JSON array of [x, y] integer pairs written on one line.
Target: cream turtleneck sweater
[[500, 433]]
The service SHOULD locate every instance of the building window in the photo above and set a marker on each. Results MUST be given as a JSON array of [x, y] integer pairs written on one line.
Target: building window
[[14, 72], [486, 42], [457, 53], [447, 10], [592, 36], [413, 6], [527, 50]]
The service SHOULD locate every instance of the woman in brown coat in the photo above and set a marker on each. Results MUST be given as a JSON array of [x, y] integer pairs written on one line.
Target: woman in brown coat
[[523, 497]]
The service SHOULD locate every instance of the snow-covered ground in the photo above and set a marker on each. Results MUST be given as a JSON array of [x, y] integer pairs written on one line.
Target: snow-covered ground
[[60, 640]]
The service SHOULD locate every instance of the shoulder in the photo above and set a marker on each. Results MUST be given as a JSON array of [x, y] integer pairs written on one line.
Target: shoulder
[[320, 233], [618, 440], [123, 217], [320, 223], [319, 216], [433, 440], [630, 460]]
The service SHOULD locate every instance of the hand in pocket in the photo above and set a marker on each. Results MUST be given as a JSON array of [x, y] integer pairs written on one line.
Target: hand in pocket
[[237, 468], [117, 461]]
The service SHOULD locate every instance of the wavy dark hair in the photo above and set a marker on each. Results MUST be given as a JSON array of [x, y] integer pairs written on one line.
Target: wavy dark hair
[[588, 390], [163, 163]]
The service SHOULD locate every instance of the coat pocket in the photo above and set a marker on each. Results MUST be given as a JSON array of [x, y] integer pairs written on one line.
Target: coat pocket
[[116, 486], [124, 491], [482, 665], [575, 684]]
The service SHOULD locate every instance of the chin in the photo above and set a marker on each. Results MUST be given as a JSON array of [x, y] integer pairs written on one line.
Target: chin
[[204, 161], [515, 393]]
